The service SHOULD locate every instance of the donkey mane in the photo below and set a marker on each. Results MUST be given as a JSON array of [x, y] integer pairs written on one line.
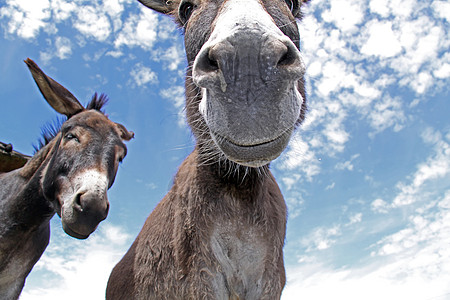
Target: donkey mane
[[98, 102], [50, 130], [48, 133]]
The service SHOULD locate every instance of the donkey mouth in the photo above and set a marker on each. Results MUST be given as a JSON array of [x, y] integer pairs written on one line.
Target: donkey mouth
[[253, 154], [74, 234]]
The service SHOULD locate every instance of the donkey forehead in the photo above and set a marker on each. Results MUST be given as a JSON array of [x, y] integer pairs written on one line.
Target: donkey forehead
[[94, 120], [217, 7], [271, 13]]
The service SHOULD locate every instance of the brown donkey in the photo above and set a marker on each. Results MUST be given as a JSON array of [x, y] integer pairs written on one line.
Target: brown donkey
[[219, 232], [69, 175]]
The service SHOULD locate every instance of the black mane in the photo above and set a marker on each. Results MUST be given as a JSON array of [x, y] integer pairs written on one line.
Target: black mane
[[50, 130], [97, 102]]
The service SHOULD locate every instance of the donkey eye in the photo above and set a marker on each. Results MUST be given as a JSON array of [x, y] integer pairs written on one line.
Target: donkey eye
[[291, 4], [71, 136], [185, 11]]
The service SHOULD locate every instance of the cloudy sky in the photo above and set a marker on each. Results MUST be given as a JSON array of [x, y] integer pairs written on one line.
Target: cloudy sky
[[366, 178]]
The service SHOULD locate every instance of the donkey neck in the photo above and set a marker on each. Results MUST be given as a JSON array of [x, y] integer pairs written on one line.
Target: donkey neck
[[36, 164], [24, 229], [206, 188], [240, 181], [233, 225], [24, 207]]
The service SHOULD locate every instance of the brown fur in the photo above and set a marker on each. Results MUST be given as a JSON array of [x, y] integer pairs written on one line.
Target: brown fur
[[69, 175], [172, 254], [219, 232]]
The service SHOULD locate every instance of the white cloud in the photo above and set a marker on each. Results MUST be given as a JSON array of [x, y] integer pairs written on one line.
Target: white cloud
[[295, 204], [379, 205], [334, 73], [443, 71], [346, 165], [412, 263], [335, 133], [139, 30], [62, 10], [436, 167], [421, 240], [422, 83], [25, 18], [92, 22], [300, 158], [387, 112], [355, 218], [380, 7], [389, 281], [151, 186], [176, 96], [114, 8], [80, 269], [173, 57], [142, 75], [381, 40], [442, 9], [344, 14], [431, 136], [330, 186], [63, 47], [356, 70], [420, 187], [321, 238], [110, 22]]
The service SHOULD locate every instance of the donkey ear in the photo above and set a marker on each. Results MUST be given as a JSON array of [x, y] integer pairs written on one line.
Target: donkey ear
[[124, 133], [162, 6], [56, 95]]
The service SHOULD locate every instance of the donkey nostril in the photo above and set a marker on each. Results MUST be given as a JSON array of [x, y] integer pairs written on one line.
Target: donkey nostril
[[212, 63], [286, 59], [77, 203], [207, 62], [287, 56]]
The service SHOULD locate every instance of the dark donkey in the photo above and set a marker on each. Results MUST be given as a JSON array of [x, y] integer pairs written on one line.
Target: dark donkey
[[219, 232], [70, 175]]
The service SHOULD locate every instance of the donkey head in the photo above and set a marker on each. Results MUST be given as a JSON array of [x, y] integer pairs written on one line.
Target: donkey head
[[84, 158], [244, 84]]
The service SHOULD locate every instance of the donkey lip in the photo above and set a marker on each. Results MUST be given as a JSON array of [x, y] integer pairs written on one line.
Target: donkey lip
[[251, 145], [253, 155], [74, 234]]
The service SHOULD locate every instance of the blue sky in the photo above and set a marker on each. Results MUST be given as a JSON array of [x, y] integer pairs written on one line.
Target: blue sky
[[366, 178]]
